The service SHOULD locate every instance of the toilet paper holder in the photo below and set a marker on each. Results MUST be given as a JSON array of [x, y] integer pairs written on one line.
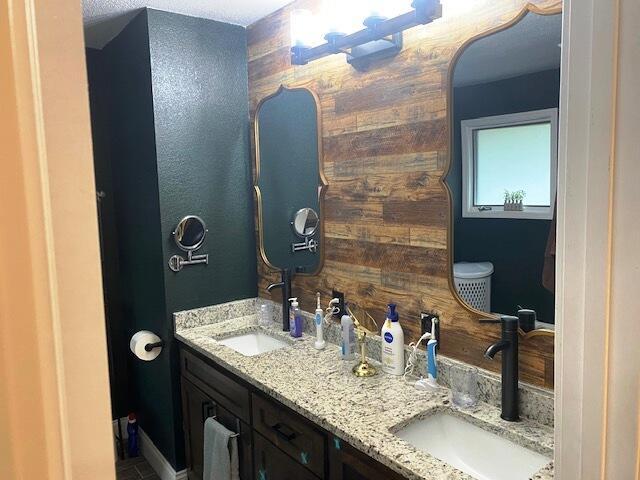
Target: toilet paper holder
[[150, 346]]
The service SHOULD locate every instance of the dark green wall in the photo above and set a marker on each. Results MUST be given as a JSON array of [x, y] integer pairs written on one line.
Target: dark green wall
[[199, 75], [179, 145], [119, 359], [515, 247]]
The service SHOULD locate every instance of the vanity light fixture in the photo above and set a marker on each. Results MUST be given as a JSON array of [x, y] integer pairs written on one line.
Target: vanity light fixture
[[381, 37]]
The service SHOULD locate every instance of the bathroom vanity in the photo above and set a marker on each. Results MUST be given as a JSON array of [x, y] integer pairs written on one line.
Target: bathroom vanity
[[301, 414], [274, 442]]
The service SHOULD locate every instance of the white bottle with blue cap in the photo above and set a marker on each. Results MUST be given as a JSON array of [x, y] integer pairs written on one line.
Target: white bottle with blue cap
[[392, 343]]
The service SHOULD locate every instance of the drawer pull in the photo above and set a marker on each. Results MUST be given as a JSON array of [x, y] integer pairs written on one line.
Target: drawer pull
[[304, 458], [262, 474], [285, 436], [336, 443]]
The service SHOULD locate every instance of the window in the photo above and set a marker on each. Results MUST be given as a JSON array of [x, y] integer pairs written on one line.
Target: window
[[510, 153]]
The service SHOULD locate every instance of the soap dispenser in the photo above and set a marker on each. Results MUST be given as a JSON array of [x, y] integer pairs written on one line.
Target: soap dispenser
[[295, 319]]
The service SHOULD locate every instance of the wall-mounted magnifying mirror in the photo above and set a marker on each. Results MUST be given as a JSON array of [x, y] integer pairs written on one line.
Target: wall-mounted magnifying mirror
[[189, 236], [290, 181], [305, 223], [504, 92], [189, 233]]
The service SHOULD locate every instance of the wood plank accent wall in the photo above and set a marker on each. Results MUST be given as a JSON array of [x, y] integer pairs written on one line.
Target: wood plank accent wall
[[386, 139]]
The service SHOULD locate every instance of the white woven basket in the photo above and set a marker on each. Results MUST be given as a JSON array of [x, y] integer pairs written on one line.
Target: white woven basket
[[473, 283]]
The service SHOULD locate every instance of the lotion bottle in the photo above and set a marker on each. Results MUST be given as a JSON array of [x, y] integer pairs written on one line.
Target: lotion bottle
[[392, 343], [348, 344]]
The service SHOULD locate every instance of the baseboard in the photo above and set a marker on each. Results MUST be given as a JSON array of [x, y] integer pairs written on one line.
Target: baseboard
[[157, 461], [155, 458]]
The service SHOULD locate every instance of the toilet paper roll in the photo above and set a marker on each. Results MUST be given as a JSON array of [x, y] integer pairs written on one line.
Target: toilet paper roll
[[140, 340]]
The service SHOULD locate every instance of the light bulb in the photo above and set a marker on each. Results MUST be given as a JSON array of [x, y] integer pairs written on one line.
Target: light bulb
[[341, 16], [304, 31]]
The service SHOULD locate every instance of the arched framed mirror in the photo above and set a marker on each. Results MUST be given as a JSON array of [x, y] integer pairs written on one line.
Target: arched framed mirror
[[503, 108], [290, 181]]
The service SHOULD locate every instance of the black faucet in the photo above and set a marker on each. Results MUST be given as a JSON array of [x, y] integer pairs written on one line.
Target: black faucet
[[285, 285], [508, 345]]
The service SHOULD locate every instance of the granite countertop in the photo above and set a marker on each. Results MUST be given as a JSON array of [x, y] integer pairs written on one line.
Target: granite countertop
[[362, 411]]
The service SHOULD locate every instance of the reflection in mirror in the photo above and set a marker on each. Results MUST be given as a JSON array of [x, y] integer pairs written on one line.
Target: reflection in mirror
[[503, 172], [305, 222], [290, 183]]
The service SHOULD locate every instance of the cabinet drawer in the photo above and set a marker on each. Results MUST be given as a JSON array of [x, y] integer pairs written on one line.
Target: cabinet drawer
[[271, 464], [223, 389], [289, 432]]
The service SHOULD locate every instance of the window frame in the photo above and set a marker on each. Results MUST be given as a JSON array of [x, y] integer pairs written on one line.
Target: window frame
[[467, 131]]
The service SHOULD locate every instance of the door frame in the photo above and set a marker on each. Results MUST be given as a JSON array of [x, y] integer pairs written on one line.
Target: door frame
[[52, 342], [597, 386], [54, 393]]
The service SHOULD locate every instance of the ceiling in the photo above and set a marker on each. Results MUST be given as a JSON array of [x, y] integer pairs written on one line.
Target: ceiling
[[529, 46], [104, 19]]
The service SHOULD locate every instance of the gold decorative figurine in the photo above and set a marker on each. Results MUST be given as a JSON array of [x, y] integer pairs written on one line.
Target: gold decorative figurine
[[363, 368]]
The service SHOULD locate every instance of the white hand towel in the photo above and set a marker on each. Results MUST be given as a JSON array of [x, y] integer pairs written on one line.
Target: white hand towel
[[220, 452]]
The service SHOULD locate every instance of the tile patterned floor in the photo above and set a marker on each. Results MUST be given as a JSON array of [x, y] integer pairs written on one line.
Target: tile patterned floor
[[135, 469]]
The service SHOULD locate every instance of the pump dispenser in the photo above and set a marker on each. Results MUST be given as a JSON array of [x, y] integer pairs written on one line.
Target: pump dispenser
[[295, 319], [392, 343]]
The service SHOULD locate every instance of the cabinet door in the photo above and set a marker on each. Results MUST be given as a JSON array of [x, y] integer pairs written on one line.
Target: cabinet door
[[347, 463], [197, 407], [272, 463]]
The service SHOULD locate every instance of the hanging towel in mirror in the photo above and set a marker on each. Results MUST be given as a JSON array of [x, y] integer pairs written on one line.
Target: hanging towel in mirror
[[220, 452]]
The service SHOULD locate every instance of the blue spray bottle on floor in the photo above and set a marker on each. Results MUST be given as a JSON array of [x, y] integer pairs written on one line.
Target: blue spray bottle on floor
[[133, 444]]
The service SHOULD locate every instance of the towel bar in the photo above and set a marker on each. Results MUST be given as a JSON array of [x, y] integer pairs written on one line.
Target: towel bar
[[232, 436]]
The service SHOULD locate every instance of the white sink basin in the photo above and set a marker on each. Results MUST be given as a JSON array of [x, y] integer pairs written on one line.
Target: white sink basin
[[254, 343], [481, 454]]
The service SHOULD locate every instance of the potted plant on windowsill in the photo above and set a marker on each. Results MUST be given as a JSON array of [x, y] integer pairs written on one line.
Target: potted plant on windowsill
[[513, 201]]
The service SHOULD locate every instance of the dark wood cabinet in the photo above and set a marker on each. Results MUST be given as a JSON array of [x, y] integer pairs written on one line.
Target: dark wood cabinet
[[348, 463], [275, 442], [197, 407], [212, 380], [291, 433], [271, 463]]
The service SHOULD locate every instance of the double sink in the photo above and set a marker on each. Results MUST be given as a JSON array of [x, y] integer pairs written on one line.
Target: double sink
[[444, 434]]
